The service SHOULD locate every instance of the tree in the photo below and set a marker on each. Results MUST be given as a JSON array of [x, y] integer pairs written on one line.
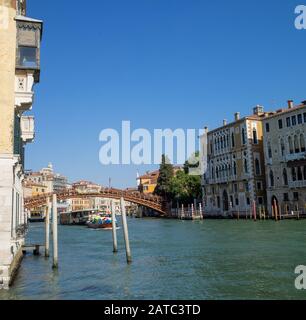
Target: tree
[[163, 187], [184, 186]]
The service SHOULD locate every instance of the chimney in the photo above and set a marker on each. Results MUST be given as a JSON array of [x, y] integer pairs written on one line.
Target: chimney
[[224, 122], [237, 116], [290, 104], [258, 110]]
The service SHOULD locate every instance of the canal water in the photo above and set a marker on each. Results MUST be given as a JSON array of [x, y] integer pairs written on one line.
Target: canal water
[[212, 259]]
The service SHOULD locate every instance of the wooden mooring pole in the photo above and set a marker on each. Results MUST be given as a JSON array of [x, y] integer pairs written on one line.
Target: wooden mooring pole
[[115, 243], [125, 232], [55, 238], [47, 235]]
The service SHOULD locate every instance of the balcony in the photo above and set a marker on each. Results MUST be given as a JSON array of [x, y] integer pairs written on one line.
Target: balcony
[[29, 32], [27, 129], [297, 184], [295, 156]]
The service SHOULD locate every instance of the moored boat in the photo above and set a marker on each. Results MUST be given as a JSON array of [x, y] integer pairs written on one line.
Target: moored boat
[[100, 221]]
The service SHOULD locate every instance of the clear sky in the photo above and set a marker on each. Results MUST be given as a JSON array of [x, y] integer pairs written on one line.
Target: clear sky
[[159, 64]]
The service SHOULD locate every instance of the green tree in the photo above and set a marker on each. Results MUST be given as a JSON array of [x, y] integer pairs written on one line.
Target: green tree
[[163, 187], [184, 186]]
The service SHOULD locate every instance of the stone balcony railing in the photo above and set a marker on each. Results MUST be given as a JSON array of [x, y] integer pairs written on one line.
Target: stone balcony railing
[[27, 129], [295, 156], [297, 184]]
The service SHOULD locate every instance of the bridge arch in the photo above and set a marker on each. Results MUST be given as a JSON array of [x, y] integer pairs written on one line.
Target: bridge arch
[[155, 203]]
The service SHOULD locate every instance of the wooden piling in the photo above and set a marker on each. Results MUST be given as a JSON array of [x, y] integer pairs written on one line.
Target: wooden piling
[[125, 232], [114, 228], [55, 237], [275, 210], [254, 210], [201, 211], [47, 229]]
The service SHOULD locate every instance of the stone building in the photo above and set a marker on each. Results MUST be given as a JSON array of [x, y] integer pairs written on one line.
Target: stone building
[[235, 175], [20, 38], [285, 158], [54, 182]]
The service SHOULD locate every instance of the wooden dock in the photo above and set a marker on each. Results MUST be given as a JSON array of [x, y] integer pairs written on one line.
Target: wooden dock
[[35, 248]]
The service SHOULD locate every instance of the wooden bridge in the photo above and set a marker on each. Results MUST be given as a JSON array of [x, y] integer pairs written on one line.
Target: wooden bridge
[[155, 203]]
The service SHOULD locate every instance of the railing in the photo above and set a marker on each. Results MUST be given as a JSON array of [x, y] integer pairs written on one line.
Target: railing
[[189, 213], [297, 184], [295, 156]]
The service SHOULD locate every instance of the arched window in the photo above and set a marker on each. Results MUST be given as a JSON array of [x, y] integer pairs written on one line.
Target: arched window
[[271, 179], [235, 168], [302, 143], [243, 136], [233, 140], [283, 149], [285, 177], [269, 150], [217, 173], [300, 174], [255, 137], [296, 144], [290, 145], [293, 174], [246, 169], [257, 167]]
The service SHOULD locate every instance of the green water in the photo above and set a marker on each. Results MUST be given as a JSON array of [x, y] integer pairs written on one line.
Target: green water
[[171, 260]]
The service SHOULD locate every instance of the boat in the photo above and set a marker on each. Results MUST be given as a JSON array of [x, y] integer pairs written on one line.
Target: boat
[[100, 221], [36, 217]]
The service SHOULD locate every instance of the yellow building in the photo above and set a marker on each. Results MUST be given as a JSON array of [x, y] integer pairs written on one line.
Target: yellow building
[[20, 38], [235, 176], [148, 182]]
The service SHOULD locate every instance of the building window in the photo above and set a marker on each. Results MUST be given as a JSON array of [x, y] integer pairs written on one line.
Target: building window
[[288, 121], [259, 186], [260, 201], [257, 167], [232, 201], [237, 201], [302, 143], [285, 177], [246, 186], [255, 137], [248, 201], [280, 124], [300, 174], [218, 201], [293, 174], [295, 196], [27, 57], [236, 187], [304, 171], [296, 144], [300, 119], [267, 127], [235, 168], [286, 197], [233, 140], [283, 149], [243, 136], [304, 115], [271, 178], [246, 169], [293, 120], [269, 150], [290, 145]]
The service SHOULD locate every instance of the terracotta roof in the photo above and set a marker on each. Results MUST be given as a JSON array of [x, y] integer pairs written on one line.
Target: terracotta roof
[[285, 111]]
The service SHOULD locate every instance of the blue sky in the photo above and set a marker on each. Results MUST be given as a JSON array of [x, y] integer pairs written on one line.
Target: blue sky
[[159, 64]]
